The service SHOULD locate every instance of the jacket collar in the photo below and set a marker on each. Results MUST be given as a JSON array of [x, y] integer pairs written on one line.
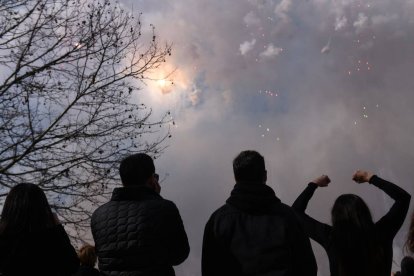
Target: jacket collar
[[253, 197], [134, 193]]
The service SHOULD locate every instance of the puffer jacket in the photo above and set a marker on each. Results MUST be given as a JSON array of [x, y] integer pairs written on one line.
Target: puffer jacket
[[255, 234], [138, 233]]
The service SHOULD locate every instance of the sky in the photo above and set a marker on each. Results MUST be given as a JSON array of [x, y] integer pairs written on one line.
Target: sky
[[316, 86]]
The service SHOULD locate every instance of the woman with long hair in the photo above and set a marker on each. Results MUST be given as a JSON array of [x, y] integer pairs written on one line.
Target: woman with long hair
[[32, 241], [356, 246]]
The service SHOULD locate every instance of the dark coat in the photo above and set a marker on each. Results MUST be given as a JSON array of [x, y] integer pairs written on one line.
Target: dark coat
[[138, 233], [85, 270], [385, 229], [46, 252], [255, 234]]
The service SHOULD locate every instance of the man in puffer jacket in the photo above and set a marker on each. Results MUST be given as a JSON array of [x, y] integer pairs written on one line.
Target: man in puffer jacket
[[254, 233], [138, 232]]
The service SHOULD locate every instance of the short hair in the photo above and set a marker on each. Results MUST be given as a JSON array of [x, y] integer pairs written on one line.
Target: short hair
[[249, 166], [136, 169], [87, 255]]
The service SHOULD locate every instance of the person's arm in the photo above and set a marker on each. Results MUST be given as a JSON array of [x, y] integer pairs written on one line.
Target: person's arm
[[210, 261], [303, 259], [301, 203], [216, 259], [393, 220], [66, 257], [316, 230], [176, 240]]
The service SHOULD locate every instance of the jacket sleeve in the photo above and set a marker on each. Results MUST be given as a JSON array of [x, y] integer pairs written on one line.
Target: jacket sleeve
[[66, 257], [393, 220], [213, 261], [176, 240], [303, 261], [316, 230], [209, 261]]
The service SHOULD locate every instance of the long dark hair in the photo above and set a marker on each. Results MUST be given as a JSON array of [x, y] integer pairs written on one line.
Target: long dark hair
[[354, 240], [25, 210], [409, 244]]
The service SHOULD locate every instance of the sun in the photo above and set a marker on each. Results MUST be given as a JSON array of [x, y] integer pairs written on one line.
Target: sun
[[162, 83]]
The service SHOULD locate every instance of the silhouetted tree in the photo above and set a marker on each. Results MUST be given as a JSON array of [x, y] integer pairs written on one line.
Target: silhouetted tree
[[70, 72]]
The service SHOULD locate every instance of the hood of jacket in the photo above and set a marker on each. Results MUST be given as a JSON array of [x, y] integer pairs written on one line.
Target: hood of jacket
[[253, 197]]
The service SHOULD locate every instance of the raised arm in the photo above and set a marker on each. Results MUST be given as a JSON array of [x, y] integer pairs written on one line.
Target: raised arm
[[392, 221], [315, 230], [302, 201]]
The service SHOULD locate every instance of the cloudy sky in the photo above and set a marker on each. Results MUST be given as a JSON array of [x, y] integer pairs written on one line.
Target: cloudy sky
[[316, 86]]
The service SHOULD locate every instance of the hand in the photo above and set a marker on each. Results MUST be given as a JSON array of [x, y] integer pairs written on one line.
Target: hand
[[154, 184], [55, 219], [157, 187], [361, 176], [322, 181]]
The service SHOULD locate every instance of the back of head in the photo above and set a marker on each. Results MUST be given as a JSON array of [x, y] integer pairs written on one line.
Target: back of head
[[351, 211], [25, 210], [136, 169], [354, 240], [249, 166], [409, 245], [87, 255]]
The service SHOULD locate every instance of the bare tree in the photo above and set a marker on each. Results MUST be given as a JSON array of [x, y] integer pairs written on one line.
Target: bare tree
[[70, 74]]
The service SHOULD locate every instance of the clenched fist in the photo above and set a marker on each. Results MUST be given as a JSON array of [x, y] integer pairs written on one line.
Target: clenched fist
[[361, 176], [322, 181]]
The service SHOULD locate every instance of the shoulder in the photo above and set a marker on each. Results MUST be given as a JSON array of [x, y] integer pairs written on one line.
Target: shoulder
[[226, 210]]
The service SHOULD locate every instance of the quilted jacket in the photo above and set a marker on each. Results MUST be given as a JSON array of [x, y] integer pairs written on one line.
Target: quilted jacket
[[138, 233]]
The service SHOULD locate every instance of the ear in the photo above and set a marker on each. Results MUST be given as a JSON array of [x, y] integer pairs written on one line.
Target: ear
[[152, 183], [265, 176]]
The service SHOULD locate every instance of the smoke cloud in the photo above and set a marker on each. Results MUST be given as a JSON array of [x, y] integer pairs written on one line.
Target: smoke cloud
[[309, 113]]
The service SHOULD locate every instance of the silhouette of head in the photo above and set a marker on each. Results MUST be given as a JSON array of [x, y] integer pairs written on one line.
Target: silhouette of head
[[354, 239], [136, 169], [351, 210], [25, 210], [87, 255], [249, 166]]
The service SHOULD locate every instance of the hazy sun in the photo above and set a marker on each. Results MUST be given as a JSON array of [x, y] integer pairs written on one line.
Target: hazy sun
[[162, 83]]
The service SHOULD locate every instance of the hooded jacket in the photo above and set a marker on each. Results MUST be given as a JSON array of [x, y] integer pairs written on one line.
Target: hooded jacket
[[254, 233]]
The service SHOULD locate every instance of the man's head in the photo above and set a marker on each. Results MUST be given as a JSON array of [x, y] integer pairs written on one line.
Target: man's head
[[136, 169], [249, 166]]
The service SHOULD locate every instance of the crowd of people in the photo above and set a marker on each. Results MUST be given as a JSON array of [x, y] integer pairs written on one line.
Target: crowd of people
[[138, 232]]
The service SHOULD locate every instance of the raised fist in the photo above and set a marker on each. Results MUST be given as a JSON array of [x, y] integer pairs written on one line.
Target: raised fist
[[361, 176], [322, 181]]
